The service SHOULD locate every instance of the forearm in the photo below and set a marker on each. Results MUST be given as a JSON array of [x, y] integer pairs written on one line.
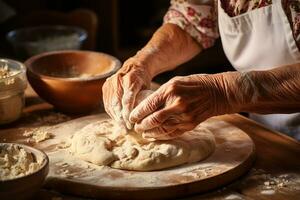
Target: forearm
[[264, 92], [169, 47]]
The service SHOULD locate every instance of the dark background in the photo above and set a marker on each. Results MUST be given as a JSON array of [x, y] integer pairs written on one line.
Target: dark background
[[124, 26]]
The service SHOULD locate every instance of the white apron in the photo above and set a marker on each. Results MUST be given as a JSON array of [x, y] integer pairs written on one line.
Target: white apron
[[261, 39]]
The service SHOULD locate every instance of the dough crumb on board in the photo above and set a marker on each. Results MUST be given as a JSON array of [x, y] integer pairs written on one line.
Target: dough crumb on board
[[15, 162], [269, 184], [233, 197], [47, 118], [53, 118], [268, 192], [38, 135]]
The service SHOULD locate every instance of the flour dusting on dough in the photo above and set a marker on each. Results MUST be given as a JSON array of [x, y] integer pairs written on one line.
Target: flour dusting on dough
[[105, 143]]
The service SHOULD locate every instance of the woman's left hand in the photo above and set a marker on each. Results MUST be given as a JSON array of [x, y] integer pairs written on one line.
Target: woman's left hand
[[180, 105]]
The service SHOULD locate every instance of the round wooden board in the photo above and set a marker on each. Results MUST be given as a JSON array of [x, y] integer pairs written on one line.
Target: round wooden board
[[233, 156]]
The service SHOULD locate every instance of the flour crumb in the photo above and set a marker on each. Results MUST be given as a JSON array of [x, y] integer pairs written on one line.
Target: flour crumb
[[38, 135], [267, 183], [233, 197], [62, 145], [51, 119], [268, 192], [273, 183]]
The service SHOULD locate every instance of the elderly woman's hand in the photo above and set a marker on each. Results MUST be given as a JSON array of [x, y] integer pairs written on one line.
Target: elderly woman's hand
[[169, 47], [120, 90], [180, 105]]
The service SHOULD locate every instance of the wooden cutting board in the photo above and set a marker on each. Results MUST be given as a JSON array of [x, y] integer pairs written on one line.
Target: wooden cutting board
[[233, 156]]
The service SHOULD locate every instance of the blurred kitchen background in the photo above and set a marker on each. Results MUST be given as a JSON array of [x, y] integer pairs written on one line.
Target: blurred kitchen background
[[117, 27]]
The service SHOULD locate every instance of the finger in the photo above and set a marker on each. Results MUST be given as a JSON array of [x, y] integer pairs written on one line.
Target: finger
[[131, 89], [116, 93], [127, 106], [158, 131], [106, 95], [176, 133], [146, 107], [156, 119], [168, 130]]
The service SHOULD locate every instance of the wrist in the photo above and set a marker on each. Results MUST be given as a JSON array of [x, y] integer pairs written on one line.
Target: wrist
[[229, 90], [145, 58]]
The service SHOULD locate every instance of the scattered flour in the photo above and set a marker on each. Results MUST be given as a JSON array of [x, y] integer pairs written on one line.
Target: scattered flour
[[52, 118], [268, 192], [233, 197], [38, 135], [269, 184]]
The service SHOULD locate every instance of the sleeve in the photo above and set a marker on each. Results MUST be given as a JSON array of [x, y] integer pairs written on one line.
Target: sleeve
[[196, 17]]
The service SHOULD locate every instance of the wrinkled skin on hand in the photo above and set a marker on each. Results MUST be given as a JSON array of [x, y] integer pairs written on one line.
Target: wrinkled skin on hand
[[169, 47], [121, 89], [180, 105], [184, 102]]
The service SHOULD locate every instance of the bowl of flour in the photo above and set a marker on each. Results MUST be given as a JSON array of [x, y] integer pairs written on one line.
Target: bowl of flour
[[23, 170]]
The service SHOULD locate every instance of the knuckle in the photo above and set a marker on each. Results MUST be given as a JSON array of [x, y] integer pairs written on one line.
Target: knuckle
[[181, 104], [171, 89], [176, 79]]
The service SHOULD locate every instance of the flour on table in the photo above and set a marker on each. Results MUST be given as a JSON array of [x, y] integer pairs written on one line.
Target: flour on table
[[105, 143], [16, 162], [38, 135]]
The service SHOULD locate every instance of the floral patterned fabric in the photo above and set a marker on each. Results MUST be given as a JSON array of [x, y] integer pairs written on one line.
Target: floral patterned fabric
[[199, 17]]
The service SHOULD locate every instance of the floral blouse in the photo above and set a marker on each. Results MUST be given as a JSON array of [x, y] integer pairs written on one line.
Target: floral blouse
[[199, 17]]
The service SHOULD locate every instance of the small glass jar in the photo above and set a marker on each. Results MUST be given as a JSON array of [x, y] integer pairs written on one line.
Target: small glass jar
[[12, 86]]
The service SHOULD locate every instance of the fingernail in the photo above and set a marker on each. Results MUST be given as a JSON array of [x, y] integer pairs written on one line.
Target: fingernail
[[132, 118], [129, 125], [137, 128]]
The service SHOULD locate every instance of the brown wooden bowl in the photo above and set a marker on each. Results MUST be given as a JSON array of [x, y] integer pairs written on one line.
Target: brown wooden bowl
[[71, 80], [25, 187]]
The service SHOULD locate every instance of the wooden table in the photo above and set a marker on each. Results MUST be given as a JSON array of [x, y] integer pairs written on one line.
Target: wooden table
[[275, 174]]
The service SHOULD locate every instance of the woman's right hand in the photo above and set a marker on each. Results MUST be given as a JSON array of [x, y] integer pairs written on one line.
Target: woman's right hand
[[121, 89]]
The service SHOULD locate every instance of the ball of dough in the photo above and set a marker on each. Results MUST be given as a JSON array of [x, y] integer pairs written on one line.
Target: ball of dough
[[104, 143]]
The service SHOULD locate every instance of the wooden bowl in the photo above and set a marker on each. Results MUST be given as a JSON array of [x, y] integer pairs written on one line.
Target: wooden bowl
[[25, 187], [71, 80]]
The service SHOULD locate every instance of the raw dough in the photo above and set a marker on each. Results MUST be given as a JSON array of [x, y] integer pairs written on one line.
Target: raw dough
[[104, 143]]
